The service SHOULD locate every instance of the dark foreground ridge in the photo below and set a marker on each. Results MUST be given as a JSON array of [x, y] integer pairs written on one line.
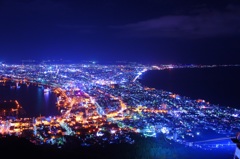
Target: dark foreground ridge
[[144, 148]]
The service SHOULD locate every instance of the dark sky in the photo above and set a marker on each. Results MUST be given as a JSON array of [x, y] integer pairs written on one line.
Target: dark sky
[[147, 31]]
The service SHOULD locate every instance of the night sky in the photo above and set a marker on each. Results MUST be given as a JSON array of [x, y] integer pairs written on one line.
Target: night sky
[[146, 31]]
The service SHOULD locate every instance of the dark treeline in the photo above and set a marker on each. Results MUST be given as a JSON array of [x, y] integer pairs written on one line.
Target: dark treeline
[[144, 148]]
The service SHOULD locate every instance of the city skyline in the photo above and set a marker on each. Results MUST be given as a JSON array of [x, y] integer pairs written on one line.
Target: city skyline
[[120, 78], [95, 101]]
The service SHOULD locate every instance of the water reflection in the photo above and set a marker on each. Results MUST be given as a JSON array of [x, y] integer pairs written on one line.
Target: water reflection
[[32, 98]]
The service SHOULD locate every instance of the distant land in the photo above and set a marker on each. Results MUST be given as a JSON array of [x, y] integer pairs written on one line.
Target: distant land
[[107, 106]]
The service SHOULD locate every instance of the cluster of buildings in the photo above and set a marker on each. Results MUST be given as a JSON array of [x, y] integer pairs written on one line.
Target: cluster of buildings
[[102, 104]]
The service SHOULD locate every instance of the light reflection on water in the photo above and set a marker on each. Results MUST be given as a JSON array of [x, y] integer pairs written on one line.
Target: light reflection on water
[[32, 98]]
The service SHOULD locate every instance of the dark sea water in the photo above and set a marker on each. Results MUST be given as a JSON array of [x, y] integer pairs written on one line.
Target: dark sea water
[[217, 85], [32, 98]]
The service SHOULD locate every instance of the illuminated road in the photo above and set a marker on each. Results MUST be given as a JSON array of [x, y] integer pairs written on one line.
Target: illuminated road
[[139, 74], [128, 106], [67, 113], [99, 109]]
